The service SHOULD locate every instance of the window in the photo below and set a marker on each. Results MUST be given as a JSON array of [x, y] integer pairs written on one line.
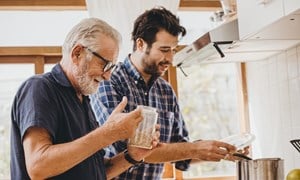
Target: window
[[48, 67], [11, 77], [209, 103], [29, 28]]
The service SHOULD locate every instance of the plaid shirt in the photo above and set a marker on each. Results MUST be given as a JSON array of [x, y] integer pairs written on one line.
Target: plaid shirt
[[127, 81]]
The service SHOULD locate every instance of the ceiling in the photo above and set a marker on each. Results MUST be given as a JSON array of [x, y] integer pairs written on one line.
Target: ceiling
[[80, 4]]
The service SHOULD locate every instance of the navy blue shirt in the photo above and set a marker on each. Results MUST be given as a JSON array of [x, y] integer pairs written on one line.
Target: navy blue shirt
[[49, 101]]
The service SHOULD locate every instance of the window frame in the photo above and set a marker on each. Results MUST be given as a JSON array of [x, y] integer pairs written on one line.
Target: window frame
[[171, 77]]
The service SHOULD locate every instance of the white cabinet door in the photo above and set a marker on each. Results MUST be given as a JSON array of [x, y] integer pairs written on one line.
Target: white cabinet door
[[253, 15], [291, 5]]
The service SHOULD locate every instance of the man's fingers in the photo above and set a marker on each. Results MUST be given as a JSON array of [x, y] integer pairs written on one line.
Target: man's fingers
[[121, 106], [157, 127]]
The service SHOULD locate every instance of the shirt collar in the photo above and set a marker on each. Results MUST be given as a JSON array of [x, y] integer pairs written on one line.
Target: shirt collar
[[60, 76], [131, 70], [62, 79]]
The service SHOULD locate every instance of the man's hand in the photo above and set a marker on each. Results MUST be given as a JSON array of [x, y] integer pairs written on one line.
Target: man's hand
[[123, 125], [235, 155], [139, 154], [210, 150]]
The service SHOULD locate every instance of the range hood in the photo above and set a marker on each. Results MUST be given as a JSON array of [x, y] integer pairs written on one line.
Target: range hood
[[212, 42], [223, 44]]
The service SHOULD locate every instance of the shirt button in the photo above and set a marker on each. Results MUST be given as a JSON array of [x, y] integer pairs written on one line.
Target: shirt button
[[146, 94], [135, 82]]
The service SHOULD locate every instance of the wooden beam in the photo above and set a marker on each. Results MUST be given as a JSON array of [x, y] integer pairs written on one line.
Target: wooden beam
[[214, 178], [42, 5], [16, 59], [81, 5], [39, 64], [168, 172], [17, 55], [31, 50], [245, 122], [209, 5], [172, 78]]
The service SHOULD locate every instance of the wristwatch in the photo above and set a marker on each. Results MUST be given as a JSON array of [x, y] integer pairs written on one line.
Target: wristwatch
[[130, 159]]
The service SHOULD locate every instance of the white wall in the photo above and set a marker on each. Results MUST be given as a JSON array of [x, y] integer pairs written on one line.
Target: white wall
[[37, 28], [274, 101]]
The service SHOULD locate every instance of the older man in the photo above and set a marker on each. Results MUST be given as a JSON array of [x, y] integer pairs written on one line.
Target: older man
[[54, 132]]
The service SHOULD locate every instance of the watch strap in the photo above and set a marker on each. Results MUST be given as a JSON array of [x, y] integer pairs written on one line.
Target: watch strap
[[130, 159]]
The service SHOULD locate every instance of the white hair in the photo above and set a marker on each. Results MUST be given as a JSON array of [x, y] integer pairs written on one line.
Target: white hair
[[86, 33]]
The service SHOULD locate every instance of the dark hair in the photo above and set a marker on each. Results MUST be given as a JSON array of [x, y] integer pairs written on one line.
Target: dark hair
[[151, 21]]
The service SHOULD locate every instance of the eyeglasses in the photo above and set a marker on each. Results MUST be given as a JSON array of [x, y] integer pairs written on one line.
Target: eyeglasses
[[109, 65]]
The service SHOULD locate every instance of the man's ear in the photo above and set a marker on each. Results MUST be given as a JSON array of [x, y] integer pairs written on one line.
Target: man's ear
[[140, 43], [76, 51]]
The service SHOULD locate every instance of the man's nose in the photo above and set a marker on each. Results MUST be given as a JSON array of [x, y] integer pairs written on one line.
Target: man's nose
[[106, 75], [169, 57]]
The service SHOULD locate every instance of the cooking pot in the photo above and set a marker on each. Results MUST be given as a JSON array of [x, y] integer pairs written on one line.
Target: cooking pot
[[260, 169]]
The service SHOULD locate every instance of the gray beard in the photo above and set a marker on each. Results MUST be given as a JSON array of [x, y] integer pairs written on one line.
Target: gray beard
[[85, 83]]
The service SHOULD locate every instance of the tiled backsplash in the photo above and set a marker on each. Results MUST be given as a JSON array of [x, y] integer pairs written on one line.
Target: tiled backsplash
[[274, 106]]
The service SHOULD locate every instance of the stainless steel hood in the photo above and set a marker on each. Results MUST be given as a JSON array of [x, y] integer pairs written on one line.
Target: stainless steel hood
[[212, 42], [223, 44]]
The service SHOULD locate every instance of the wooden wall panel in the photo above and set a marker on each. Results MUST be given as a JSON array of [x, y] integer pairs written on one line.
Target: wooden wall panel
[[81, 5], [42, 4], [199, 5], [36, 55]]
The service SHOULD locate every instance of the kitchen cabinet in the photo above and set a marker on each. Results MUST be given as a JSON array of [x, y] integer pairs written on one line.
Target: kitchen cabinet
[[254, 15], [290, 6]]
